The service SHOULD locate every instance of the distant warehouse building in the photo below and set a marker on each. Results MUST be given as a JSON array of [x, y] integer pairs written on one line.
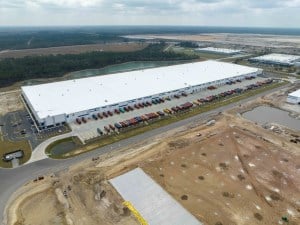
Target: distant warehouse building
[[224, 51], [277, 59], [294, 97], [62, 102]]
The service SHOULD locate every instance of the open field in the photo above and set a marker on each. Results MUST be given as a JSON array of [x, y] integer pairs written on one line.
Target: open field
[[10, 101], [282, 41], [74, 49]]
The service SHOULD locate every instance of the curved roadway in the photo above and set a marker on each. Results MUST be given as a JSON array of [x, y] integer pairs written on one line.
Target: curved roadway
[[12, 179]]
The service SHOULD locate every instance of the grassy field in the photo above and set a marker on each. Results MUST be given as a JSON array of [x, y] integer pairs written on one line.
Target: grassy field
[[8, 146], [106, 140], [75, 49]]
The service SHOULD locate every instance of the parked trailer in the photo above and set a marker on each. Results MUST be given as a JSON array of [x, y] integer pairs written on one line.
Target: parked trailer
[[186, 105], [99, 131], [78, 121]]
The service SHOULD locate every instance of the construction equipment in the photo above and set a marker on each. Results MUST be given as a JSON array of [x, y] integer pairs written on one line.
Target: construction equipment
[[135, 213]]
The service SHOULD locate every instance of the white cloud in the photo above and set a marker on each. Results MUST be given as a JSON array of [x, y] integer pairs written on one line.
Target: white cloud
[[135, 12]]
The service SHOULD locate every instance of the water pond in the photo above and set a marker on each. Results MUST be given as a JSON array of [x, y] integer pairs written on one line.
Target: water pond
[[267, 114]]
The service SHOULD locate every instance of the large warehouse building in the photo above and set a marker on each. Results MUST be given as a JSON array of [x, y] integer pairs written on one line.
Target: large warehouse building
[[294, 97], [277, 59], [57, 103]]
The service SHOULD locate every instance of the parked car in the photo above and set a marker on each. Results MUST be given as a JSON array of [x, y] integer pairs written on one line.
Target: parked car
[[109, 113], [176, 96], [211, 87], [95, 117], [117, 111], [136, 106], [83, 120], [130, 108], [184, 94], [141, 105]]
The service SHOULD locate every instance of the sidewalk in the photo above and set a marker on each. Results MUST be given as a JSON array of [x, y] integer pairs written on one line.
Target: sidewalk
[[39, 152]]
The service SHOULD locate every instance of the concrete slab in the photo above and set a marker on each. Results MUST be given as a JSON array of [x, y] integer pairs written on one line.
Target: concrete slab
[[155, 205], [15, 163]]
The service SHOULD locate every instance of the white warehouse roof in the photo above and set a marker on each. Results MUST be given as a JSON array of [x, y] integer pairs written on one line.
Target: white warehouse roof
[[220, 50], [88, 93], [278, 58], [295, 93]]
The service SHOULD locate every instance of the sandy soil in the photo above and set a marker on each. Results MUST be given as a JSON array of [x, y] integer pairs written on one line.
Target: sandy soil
[[230, 176], [74, 49], [10, 101], [234, 172]]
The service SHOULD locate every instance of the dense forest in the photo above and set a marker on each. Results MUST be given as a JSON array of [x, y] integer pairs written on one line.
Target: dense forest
[[188, 44], [45, 39], [19, 69]]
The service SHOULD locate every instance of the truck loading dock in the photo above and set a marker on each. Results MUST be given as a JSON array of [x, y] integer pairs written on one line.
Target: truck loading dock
[[56, 103]]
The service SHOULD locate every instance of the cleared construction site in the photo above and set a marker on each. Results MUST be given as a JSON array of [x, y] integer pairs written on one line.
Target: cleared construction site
[[222, 170]]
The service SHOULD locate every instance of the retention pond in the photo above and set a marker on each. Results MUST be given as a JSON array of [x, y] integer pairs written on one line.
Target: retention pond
[[63, 147], [267, 114]]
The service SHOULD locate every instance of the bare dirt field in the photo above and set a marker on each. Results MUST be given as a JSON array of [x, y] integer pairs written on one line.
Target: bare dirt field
[[10, 101], [74, 49], [243, 39], [234, 172]]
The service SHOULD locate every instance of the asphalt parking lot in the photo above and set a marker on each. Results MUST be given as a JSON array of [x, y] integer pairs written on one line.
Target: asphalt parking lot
[[17, 126], [88, 130]]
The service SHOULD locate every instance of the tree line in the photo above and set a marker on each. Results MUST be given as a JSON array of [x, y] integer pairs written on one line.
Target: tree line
[[13, 70]]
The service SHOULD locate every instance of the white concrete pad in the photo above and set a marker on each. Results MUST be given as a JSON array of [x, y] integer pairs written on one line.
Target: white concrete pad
[[155, 205]]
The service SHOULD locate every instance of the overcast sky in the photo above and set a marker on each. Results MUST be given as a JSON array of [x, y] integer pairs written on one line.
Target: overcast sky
[[262, 13]]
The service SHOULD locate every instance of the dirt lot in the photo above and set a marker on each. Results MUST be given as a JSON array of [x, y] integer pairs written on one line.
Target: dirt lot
[[234, 172], [10, 101], [75, 49], [230, 176]]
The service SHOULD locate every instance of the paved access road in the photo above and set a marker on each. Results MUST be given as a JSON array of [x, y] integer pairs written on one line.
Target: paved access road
[[12, 179]]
